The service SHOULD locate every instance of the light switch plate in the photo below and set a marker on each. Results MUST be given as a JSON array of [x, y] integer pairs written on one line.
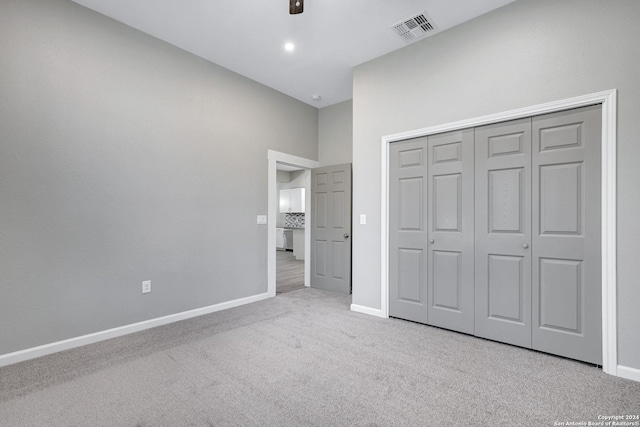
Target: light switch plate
[[363, 219], [146, 286], [262, 219]]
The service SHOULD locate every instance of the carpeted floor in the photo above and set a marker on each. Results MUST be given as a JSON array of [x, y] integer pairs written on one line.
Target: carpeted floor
[[304, 359]]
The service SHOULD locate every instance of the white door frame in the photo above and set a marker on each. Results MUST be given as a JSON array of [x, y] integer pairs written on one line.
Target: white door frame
[[275, 157], [608, 99]]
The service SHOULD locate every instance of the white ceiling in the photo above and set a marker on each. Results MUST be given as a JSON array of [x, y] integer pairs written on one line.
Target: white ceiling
[[248, 36]]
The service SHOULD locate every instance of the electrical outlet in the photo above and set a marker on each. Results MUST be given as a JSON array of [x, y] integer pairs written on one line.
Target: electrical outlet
[[262, 219], [146, 286]]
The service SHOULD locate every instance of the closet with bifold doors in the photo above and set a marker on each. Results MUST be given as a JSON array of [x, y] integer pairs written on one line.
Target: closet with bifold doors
[[495, 231]]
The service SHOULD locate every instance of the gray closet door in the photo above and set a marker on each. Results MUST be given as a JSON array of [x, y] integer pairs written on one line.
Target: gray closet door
[[450, 227], [503, 232], [566, 234], [331, 228], [532, 275], [408, 230]]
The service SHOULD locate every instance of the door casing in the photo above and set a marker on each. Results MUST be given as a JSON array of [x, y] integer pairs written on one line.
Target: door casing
[[273, 158], [608, 100]]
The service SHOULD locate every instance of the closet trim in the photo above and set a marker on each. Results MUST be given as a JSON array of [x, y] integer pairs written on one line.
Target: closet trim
[[608, 100]]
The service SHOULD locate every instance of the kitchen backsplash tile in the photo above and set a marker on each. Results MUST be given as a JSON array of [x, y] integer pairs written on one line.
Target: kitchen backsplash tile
[[295, 220]]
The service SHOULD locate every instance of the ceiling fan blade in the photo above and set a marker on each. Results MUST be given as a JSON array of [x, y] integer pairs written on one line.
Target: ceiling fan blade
[[293, 9]]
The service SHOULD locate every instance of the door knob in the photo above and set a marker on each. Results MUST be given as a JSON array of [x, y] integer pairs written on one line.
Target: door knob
[[345, 235], [431, 241], [525, 245]]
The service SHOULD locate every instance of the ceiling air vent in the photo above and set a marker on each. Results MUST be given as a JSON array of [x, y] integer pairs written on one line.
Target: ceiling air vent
[[414, 28]]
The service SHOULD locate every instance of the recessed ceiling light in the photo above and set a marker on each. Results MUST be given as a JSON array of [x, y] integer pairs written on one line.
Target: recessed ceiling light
[[289, 47]]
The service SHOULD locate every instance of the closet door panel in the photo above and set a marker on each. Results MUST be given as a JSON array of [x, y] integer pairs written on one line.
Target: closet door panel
[[566, 243], [503, 232], [450, 226], [408, 230]]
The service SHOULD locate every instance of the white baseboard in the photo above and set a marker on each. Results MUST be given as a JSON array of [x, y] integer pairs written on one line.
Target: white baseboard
[[367, 310], [628, 373], [43, 350]]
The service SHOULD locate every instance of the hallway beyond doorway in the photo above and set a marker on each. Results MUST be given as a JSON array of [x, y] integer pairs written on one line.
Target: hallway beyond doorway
[[289, 272]]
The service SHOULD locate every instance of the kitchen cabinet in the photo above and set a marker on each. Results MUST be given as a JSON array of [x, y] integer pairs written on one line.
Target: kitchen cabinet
[[292, 200], [280, 239], [296, 201]]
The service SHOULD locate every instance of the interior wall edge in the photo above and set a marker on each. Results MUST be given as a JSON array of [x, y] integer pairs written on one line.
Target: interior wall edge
[[367, 310]]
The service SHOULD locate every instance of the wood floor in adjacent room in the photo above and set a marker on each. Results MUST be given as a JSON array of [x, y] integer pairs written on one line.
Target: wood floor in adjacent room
[[289, 272]]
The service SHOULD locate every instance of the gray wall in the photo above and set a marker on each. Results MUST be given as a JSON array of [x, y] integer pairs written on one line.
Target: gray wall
[[527, 53], [335, 134], [283, 176], [123, 159]]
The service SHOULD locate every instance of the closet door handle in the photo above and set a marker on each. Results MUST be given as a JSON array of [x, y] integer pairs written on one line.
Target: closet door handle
[[525, 245], [432, 241]]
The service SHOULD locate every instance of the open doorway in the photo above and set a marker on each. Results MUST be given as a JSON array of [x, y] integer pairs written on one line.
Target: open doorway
[[296, 170], [290, 225]]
